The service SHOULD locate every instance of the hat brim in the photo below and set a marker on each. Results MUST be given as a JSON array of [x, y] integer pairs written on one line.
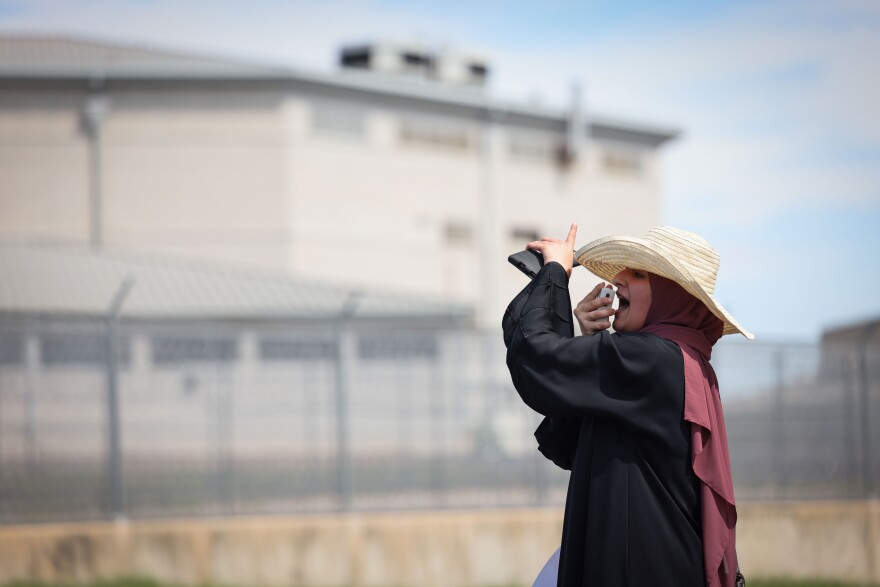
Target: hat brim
[[608, 256]]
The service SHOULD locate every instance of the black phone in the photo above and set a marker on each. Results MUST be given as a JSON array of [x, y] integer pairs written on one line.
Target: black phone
[[528, 261]]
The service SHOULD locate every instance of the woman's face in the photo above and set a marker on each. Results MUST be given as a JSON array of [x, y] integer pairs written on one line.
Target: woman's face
[[634, 293]]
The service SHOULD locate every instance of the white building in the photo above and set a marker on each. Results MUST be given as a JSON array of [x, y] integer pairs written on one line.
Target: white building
[[411, 178]]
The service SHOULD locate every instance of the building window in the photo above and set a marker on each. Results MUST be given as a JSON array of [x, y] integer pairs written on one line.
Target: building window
[[524, 235], [623, 162], [80, 349], [418, 60], [436, 133], [272, 349], [459, 234], [338, 120], [11, 350], [169, 351], [357, 57], [479, 72], [398, 346], [534, 146]]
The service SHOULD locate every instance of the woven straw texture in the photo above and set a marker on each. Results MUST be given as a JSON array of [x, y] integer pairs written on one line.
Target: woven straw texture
[[676, 254]]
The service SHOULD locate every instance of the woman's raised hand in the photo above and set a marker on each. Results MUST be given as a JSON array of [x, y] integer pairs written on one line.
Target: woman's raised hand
[[556, 250], [592, 312]]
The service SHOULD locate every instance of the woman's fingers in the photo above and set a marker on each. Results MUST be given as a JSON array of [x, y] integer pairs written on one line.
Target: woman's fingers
[[594, 293], [593, 312], [557, 250], [592, 322], [572, 234], [591, 301], [542, 243], [591, 326], [597, 326], [600, 315]]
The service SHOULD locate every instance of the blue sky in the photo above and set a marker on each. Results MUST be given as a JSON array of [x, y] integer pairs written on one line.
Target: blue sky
[[778, 165]]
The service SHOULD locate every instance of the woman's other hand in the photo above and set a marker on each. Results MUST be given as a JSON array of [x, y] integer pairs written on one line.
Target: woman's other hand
[[592, 312], [556, 250]]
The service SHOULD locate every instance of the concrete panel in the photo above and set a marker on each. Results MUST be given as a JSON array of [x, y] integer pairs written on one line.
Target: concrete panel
[[467, 548]]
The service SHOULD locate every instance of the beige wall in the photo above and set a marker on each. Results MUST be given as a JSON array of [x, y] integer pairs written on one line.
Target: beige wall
[[443, 549], [43, 167], [196, 174], [193, 174]]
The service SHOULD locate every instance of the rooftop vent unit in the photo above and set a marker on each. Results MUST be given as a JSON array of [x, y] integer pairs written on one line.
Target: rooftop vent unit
[[417, 61]]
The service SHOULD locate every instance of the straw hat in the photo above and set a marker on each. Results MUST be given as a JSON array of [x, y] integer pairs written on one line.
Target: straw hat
[[684, 257]]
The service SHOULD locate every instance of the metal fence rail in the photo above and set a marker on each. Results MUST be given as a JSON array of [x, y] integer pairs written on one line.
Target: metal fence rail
[[146, 420]]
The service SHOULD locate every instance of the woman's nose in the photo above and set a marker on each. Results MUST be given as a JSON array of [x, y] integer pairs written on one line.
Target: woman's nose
[[617, 281]]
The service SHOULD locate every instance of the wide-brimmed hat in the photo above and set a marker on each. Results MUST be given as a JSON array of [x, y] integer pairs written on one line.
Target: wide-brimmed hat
[[684, 257]]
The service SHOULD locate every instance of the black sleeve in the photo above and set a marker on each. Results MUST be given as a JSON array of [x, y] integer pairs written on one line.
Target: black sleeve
[[630, 377], [558, 439]]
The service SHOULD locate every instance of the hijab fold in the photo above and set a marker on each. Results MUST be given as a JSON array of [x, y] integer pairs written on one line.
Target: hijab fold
[[676, 315]]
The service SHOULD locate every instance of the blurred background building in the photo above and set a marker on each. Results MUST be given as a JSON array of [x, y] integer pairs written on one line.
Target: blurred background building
[[398, 172]]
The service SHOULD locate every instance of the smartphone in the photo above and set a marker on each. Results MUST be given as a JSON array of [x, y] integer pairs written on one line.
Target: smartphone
[[528, 261], [607, 292]]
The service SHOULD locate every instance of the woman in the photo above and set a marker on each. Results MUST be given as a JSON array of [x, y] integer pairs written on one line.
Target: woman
[[635, 415]]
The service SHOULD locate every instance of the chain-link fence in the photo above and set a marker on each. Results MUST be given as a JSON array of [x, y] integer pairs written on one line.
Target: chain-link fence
[[146, 420]]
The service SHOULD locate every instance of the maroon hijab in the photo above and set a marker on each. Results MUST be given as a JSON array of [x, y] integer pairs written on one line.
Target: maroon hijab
[[678, 316]]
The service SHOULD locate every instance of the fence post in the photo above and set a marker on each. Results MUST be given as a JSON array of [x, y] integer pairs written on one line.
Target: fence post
[[32, 369], [864, 393], [225, 441], [438, 417], [243, 378], [779, 428], [849, 425], [346, 353], [115, 490]]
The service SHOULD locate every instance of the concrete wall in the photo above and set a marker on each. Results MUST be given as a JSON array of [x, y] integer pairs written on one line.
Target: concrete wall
[[449, 549], [828, 539]]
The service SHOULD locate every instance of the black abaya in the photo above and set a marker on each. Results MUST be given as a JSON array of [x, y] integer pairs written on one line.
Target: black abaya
[[614, 416]]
